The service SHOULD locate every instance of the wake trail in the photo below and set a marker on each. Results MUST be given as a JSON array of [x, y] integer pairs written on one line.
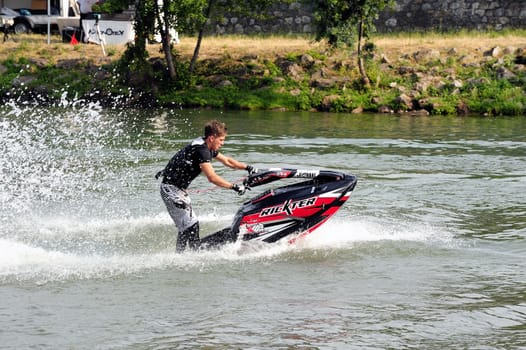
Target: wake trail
[[139, 245]]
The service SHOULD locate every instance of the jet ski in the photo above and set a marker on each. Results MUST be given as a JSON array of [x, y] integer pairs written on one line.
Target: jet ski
[[286, 212]]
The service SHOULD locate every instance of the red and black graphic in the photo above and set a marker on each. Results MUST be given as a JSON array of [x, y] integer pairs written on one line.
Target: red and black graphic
[[288, 207], [288, 211]]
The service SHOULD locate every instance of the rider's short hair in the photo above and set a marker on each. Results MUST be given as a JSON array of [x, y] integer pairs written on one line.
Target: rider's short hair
[[215, 128]]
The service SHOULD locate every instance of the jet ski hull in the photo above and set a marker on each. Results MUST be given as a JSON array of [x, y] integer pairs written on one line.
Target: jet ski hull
[[288, 211]]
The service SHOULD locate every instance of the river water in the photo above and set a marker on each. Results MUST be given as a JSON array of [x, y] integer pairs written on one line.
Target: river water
[[429, 252]]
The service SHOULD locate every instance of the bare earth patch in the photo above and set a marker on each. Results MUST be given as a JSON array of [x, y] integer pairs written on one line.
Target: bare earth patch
[[36, 47]]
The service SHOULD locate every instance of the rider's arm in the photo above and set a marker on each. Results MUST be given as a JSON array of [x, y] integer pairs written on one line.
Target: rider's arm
[[230, 162], [212, 177]]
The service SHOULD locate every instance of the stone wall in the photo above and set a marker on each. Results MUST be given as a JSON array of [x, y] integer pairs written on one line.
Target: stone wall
[[443, 15], [447, 15], [284, 18]]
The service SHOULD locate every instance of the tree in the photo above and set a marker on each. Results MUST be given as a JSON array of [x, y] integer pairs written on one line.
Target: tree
[[206, 16], [217, 8], [343, 22], [184, 16], [134, 58], [180, 15]]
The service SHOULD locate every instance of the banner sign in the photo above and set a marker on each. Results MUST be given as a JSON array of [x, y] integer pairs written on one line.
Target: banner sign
[[111, 32]]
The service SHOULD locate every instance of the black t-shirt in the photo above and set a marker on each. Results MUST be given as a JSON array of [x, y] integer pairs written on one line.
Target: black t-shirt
[[184, 166]]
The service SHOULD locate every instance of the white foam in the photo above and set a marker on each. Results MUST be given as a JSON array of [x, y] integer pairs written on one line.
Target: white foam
[[66, 178], [340, 233], [27, 261], [48, 157]]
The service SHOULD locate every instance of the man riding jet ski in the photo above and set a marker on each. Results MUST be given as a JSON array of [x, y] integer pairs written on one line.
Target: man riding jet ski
[[285, 211]]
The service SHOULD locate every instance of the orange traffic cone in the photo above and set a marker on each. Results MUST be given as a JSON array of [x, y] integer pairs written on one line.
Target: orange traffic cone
[[74, 40]]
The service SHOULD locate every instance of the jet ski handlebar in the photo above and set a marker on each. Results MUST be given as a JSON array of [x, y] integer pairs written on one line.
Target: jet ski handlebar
[[264, 176]]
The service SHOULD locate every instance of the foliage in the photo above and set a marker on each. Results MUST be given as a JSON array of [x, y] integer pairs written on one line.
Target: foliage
[[112, 6], [134, 60], [345, 22], [185, 16], [12, 70], [338, 20], [497, 97], [262, 81]]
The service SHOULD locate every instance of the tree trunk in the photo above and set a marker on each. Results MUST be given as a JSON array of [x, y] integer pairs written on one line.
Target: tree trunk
[[167, 48], [164, 29], [196, 50], [200, 36], [140, 38], [361, 65]]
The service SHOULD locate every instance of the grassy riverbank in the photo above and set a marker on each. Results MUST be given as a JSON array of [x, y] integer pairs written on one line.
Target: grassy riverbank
[[471, 72]]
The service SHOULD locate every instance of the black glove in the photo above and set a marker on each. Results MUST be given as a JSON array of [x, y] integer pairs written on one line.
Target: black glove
[[251, 170], [240, 189]]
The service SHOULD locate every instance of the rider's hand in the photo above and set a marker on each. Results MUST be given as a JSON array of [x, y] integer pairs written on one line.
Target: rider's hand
[[251, 170], [240, 189]]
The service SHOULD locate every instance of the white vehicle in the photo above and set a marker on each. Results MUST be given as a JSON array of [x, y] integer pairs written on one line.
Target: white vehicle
[[31, 16], [174, 37], [7, 20], [28, 21]]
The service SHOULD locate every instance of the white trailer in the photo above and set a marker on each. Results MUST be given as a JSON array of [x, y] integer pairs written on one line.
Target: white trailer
[[35, 16]]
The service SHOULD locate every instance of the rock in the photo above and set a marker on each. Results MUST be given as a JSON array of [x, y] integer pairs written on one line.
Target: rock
[[428, 105], [322, 83], [406, 70], [504, 73], [426, 55], [102, 75], [469, 61], [295, 92], [384, 109], [39, 62], [322, 79], [375, 100], [429, 81], [225, 83], [250, 57], [307, 61], [421, 86], [295, 72], [424, 103], [405, 101], [478, 81], [462, 108], [449, 71], [321, 73], [357, 110], [137, 79], [457, 83], [157, 65], [23, 80], [68, 64], [420, 112], [328, 101], [494, 52]]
